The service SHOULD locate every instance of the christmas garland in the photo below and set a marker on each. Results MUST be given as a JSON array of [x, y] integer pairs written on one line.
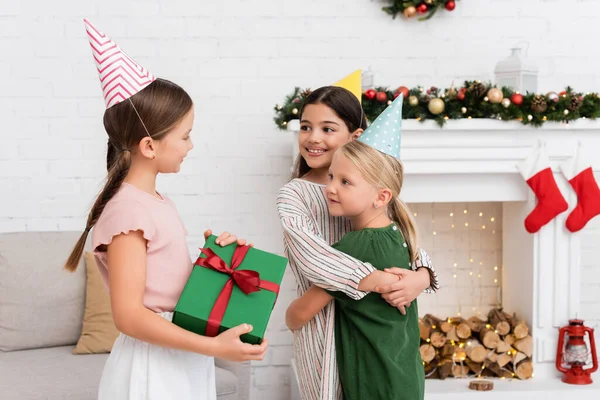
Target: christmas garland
[[410, 8], [473, 100]]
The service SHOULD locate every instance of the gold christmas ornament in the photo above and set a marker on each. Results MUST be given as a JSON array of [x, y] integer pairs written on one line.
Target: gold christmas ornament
[[295, 111], [463, 110], [495, 95], [410, 12], [529, 117], [436, 106], [566, 112], [486, 99], [413, 101], [451, 93], [389, 102], [506, 103]]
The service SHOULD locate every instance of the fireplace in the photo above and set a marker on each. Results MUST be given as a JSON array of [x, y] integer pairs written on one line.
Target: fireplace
[[470, 165]]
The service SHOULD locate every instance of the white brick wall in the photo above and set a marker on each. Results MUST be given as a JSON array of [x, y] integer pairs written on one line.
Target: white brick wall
[[237, 59]]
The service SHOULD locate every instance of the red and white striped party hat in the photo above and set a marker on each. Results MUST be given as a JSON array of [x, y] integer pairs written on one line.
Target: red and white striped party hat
[[120, 76]]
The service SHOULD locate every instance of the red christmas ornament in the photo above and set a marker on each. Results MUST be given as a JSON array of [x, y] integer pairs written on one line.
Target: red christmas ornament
[[370, 93], [382, 97], [422, 8], [402, 89], [517, 99], [563, 93], [450, 5], [461, 95]]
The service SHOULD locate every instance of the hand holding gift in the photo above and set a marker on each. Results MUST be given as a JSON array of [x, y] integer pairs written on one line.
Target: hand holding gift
[[229, 286]]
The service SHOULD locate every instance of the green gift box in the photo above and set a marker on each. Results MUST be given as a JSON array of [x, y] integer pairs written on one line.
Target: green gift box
[[229, 286]]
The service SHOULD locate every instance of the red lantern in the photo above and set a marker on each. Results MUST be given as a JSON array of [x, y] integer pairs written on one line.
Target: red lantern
[[575, 353]]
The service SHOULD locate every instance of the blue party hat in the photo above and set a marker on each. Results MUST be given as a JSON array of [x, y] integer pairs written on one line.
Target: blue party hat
[[385, 132]]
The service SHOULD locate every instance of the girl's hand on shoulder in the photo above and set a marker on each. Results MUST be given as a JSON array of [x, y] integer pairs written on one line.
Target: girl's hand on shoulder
[[226, 238], [230, 347]]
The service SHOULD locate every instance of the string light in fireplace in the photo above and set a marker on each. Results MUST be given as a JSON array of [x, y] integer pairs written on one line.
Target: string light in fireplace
[[479, 286]]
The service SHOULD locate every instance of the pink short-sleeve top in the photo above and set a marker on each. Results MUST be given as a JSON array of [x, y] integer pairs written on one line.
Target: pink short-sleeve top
[[168, 263]]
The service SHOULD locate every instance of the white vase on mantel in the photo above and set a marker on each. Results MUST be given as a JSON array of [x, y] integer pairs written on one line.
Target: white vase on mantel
[[294, 127]]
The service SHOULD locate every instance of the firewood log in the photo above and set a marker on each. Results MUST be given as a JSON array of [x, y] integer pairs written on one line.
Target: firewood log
[[432, 321], [475, 351], [518, 357], [427, 353], [497, 369], [525, 345], [502, 347], [446, 326], [524, 370], [425, 329], [504, 359], [438, 339], [451, 335], [475, 367], [481, 385], [489, 337], [431, 370], [475, 323], [445, 368], [493, 357], [520, 330], [500, 321], [510, 339], [460, 370], [463, 330]]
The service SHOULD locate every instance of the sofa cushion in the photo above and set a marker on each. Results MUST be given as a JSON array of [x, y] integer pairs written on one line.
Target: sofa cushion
[[42, 304], [51, 374], [98, 332], [55, 373]]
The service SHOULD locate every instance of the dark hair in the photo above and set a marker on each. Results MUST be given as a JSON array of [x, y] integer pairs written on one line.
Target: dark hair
[[161, 106], [344, 104]]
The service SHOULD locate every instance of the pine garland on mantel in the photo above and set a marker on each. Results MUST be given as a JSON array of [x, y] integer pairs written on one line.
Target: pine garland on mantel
[[411, 8], [473, 100]]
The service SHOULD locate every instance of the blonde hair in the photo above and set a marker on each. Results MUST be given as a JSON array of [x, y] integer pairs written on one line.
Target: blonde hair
[[383, 171]]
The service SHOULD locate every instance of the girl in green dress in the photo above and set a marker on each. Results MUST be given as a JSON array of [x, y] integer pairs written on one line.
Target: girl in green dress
[[377, 348]]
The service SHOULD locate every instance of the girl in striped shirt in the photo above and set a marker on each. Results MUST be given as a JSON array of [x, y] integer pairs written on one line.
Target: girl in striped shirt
[[330, 118]]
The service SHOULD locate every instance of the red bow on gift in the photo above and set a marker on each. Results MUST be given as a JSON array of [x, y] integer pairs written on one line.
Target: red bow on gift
[[247, 280]]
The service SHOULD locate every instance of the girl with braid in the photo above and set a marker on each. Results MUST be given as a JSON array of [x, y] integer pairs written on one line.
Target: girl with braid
[[139, 240]]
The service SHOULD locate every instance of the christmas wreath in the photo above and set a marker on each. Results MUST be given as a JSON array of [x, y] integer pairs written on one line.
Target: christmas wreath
[[410, 8], [473, 100]]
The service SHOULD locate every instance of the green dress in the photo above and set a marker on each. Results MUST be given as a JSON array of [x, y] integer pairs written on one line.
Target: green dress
[[377, 348]]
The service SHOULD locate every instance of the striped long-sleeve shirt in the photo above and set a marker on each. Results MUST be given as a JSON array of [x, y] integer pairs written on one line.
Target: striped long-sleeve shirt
[[308, 232]]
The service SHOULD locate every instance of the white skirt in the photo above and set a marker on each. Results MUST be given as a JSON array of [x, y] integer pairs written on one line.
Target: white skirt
[[137, 370]]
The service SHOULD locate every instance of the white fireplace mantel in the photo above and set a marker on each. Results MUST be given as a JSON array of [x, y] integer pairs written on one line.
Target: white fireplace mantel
[[441, 164], [475, 161]]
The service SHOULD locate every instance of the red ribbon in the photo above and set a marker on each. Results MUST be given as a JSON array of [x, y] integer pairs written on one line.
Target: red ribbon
[[247, 280]]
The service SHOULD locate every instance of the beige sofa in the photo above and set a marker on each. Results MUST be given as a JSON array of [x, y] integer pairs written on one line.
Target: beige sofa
[[41, 310]]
